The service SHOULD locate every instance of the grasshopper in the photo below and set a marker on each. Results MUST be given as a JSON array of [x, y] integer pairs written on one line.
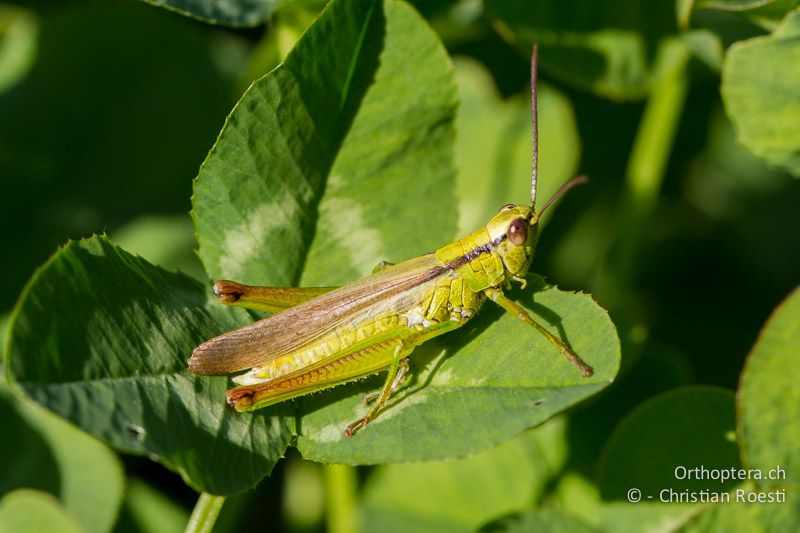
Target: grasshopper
[[322, 337]]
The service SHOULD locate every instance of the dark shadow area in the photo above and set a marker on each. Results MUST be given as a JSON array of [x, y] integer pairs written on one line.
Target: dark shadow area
[[28, 460], [109, 124]]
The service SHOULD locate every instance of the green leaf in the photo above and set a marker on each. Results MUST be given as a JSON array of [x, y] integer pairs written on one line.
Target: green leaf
[[696, 425], [303, 503], [706, 46], [325, 165], [732, 5], [32, 511], [769, 399], [651, 515], [148, 510], [759, 88], [286, 27], [493, 147], [545, 520], [471, 389], [226, 12], [747, 516], [48, 454], [5, 323], [605, 47], [466, 493], [766, 13], [101, 338], [19, 30], [166, 241], [576, 496]]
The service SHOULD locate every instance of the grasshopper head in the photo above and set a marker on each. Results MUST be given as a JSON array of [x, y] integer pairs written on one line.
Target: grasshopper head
[[515, 229]]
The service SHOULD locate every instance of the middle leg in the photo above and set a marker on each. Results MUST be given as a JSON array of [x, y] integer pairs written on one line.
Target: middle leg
[[398, 361]]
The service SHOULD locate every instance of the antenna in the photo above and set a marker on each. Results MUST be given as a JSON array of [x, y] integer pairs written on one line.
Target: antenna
[[535, 122], [577, 180]]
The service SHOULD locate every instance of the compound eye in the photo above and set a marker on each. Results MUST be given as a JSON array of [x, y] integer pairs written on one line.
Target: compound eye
[[517, 231], [507, 207]]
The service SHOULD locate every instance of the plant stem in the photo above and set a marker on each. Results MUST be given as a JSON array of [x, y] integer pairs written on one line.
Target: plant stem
[[340, 492], [205, 513], [648, 162]]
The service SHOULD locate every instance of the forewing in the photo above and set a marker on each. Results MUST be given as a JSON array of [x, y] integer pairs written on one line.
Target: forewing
[[262, 341]]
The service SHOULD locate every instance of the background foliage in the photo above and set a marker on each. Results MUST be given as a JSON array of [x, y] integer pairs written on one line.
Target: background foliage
[[685, 115]]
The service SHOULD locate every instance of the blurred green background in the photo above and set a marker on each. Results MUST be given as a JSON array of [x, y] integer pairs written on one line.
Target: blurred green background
[[107, 111]]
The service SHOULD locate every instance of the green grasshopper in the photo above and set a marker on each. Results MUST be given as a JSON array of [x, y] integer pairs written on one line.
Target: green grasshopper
[[322, 337]]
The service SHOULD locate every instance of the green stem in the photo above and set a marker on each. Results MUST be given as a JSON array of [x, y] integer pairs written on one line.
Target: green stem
[[648, 161], [205, 513], [340, 491]]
